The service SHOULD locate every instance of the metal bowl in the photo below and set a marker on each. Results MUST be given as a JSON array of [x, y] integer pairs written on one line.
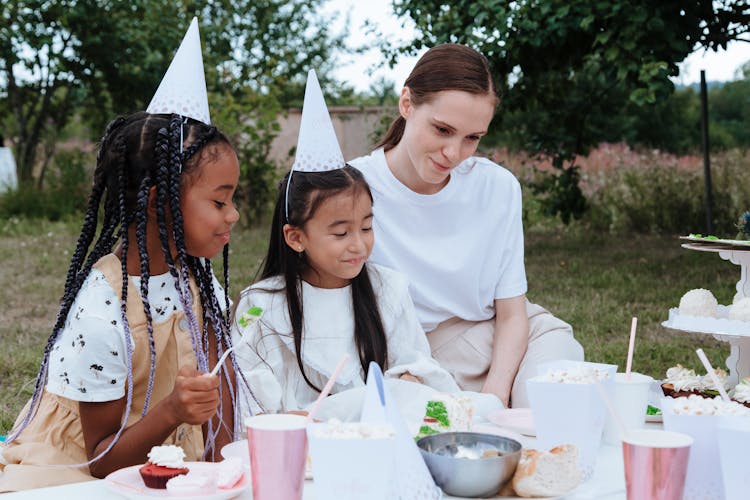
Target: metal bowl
[[469, 477]]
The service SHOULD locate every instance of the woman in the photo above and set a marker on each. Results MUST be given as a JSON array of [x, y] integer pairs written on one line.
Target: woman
[[452, 223]]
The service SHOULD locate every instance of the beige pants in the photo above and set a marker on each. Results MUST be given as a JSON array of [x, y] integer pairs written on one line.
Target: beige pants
[[464, 348]]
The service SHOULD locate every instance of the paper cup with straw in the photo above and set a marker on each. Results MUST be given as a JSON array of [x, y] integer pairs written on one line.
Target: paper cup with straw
[[629, 396]]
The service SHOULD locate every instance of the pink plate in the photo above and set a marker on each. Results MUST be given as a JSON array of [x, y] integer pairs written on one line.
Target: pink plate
[[518, 419], [128, 483]]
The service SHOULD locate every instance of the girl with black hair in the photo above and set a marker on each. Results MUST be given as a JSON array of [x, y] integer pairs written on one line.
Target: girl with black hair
[[142, 317], [322, 299]]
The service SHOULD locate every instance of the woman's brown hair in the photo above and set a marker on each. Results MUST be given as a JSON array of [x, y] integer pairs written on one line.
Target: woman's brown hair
[[449, 66]]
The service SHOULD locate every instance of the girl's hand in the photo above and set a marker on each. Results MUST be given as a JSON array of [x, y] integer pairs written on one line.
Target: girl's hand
[[410, 378], [195, 397]]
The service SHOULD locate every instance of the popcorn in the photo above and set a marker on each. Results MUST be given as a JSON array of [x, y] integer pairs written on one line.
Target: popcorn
[[353, 430], [580, 375], [697, 405]]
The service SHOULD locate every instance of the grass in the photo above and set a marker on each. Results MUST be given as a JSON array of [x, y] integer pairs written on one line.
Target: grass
[[595, 282]]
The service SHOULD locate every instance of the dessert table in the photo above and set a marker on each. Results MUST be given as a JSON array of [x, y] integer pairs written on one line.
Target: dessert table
[[607, 483]]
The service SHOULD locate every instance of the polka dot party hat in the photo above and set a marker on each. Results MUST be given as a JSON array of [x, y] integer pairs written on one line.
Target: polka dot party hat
[[318, 149], [183, 89]]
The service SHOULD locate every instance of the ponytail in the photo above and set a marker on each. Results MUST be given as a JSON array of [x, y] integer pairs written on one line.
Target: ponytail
[[394, 134]]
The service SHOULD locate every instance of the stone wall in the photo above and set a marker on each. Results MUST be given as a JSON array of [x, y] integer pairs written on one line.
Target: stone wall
[[357, 129]]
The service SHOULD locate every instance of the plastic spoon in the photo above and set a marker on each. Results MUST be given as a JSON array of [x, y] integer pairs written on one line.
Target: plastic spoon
[[246, 320]]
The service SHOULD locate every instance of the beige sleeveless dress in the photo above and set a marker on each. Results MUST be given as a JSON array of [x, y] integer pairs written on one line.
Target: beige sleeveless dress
[[54, 437]]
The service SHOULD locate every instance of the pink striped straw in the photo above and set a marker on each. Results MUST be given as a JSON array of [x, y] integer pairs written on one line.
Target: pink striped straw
[[631, 348], [327, 388]]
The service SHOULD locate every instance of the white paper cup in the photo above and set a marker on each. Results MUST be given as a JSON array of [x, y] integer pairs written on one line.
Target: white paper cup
[[704, 476], [734, 443], [570, 413], [351, 468], [630, 399]]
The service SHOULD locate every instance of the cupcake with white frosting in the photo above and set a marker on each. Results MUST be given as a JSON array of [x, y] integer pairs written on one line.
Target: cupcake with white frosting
[[682, 382]]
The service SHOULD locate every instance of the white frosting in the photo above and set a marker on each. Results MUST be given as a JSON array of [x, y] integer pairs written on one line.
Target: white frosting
[[167, 456], [708, 382], [230, 472], [578, 375], [683, 379], [353, 430], [699, 302], [192, 483], [742, 391], [697, 405], [740, 310]]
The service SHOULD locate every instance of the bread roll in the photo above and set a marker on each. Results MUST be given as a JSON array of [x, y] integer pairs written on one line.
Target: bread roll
[[547, 473]]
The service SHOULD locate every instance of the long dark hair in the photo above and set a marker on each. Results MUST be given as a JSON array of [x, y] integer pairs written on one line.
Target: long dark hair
[[138, 152], [307, 190], [449, 66]]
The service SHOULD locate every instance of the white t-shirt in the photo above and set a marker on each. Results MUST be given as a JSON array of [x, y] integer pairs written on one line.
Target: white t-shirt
[[461, 247], [266, 356], [88, 361]]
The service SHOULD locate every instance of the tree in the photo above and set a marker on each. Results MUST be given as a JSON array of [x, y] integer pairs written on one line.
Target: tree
[[565, 66], [100, 58]]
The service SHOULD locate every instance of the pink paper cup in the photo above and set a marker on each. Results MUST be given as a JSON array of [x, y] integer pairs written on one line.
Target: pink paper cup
[[278, 451], [655, 464]]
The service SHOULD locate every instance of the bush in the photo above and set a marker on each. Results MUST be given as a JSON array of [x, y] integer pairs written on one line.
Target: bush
[[642, 191], [66, 192]]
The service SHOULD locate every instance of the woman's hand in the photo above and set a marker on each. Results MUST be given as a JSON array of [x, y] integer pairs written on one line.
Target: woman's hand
[[195, 397]]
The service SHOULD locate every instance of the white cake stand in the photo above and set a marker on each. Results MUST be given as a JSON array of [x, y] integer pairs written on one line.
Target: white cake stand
[[736, 333]]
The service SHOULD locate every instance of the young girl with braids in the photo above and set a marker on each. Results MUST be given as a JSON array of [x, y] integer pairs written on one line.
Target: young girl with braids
[[320, 297], [142, 317]]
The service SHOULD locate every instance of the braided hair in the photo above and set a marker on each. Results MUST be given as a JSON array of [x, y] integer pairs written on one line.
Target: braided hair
[[307, 191], [137, 153]]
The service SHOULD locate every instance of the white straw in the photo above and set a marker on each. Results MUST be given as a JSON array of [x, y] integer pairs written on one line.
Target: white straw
[[631, 348], [611, 408], [327, 388], [712, 374]]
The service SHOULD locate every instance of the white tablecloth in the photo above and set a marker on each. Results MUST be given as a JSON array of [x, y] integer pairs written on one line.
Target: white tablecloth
[[607, 483]]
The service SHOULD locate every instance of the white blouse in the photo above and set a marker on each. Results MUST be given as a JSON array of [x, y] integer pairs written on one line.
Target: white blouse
[[266, 354]]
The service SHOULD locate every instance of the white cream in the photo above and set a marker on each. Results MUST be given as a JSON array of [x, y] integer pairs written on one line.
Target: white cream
[[683, 379], [167, 456]]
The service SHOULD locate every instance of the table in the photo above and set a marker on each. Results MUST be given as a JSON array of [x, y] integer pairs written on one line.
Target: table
[[607, 483]]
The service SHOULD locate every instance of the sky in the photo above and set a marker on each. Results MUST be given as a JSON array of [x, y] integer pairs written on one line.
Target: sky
[[719, 66]]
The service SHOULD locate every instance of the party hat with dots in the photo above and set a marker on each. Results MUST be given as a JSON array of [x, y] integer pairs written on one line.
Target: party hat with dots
[[183, 89], [318, 149]]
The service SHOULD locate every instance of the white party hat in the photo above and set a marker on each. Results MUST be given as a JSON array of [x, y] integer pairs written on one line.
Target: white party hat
[[183, 89], [318, 149]]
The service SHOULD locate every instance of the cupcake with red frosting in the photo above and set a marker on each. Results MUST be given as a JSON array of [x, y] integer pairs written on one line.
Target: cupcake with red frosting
[[164, 463]]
